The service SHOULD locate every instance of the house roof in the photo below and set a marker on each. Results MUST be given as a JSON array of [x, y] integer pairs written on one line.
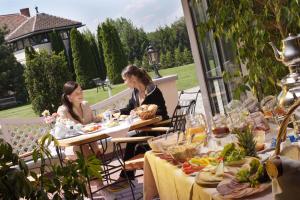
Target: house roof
[[39, 23], [12, 21]]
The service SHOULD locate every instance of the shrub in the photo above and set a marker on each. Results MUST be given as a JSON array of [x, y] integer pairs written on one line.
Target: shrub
[[45, 75], [11, 72]]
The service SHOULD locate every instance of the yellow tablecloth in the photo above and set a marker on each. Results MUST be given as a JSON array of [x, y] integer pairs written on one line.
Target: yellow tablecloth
[[166, 181]]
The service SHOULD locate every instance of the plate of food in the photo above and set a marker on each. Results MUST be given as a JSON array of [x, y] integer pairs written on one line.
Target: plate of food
[[91, 128], [112, 123], [249, 180], [232, 155]]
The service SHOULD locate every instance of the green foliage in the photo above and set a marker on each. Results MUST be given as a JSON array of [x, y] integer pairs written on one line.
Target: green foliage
[[168, 38], [94, 49], [55, 181], [13, 174], [67, 181], [187, 56], [85, 67], [114, 56], [134, 40], [45, 75], [57, 43], [29, 53], [247, 142], [169, 59], [11, 72], [146, 64], [255, 175], [102, 66], [58, 46], [251, 25], [178, 59], [137, 62], [163, 61]]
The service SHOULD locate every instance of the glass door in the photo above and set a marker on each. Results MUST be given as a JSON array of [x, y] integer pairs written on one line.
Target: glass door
[[213, 57]]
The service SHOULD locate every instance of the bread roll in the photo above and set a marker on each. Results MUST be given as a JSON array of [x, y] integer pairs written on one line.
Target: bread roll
[[152, 107]]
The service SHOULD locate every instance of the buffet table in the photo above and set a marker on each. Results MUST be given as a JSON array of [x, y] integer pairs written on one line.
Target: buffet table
[[166, 181]]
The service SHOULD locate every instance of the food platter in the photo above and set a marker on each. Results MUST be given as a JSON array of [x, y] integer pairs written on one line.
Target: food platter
[[231, 189], [91, 128], [208, 179]]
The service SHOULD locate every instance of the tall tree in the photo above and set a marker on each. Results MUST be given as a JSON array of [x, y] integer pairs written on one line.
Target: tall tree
[[11, 72], [163, 61], [115, 58], [58, 46], [94, 48], [134, 40], [178, 58], [57, 43], [85, 67], [187, 56], [103, 73], [169, 59]]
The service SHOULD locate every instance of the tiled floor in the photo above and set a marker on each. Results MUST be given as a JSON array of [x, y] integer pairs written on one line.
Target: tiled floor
[[124, 194]]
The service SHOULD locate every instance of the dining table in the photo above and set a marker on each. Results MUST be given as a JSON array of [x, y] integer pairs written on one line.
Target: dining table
[[103, 136], [165, 180]]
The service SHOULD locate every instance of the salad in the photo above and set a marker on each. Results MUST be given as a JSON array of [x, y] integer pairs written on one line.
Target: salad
[[231, 154]]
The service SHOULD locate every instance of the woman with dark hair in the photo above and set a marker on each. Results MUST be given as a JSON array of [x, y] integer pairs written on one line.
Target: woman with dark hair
[[144, 92], [76, 109]]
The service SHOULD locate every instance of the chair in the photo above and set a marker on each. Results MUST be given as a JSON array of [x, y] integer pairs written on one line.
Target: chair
[[177, 121], [101, 83]]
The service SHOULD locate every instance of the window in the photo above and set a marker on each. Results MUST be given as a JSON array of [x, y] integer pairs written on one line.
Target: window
[[63, 35], [26, 42], [20, 45], [39, 39]]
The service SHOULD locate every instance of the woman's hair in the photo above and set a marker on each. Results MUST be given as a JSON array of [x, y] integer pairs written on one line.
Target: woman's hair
[[140, 73], [69, 88]]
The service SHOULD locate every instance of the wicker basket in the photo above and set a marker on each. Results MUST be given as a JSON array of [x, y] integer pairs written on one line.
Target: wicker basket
[[145, 113], [282, 168]]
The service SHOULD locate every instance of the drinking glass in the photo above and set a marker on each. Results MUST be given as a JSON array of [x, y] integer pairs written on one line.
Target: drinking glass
[[196, 128]]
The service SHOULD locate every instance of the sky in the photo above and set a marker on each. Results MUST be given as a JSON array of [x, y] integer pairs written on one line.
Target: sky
[[146, 14]]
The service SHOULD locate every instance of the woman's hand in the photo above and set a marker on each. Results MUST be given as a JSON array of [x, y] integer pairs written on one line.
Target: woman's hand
[[133, 113]]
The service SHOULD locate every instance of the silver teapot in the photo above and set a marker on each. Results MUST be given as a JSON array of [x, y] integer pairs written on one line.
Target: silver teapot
[[290, 54], [290, 57]]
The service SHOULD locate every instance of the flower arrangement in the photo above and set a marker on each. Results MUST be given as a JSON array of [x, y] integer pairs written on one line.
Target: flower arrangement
[[48, 118]]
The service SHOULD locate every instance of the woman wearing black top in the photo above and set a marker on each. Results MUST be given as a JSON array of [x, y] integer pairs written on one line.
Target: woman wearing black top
[[144, 92]]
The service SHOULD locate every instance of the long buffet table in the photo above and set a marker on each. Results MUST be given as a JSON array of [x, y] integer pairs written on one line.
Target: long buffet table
[[166, 181]]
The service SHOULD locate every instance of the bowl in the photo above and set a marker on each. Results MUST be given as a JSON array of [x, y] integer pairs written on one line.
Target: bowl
[[163, 142], [182, 153]]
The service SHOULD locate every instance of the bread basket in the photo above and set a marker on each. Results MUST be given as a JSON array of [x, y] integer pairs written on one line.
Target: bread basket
[[146, 111], [283, 167]]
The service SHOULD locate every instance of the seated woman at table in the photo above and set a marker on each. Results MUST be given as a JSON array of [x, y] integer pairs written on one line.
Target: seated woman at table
[[76, 109], [144, 92]]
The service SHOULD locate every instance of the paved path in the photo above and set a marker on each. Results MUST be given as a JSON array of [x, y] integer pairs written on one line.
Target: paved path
[[199, 103]]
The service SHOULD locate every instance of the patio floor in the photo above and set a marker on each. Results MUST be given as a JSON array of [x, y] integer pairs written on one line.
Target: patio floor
[[124, 194]]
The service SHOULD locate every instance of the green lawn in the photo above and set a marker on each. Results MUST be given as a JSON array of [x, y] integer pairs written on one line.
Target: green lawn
[[186, 79]]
